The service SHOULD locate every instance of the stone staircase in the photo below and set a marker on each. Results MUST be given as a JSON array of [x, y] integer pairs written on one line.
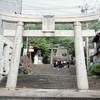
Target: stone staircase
[[47, 98], [48, 69], [47, 77], [61, 58]]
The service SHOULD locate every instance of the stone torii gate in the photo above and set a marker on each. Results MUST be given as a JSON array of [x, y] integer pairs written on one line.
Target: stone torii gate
[[48, 30]]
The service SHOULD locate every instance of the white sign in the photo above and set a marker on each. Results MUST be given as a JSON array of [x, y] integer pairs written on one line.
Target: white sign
[[31, 50], [25, 52]]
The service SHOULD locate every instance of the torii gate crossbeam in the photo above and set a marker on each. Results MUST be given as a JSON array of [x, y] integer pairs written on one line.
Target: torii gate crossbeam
[[57, 33], [86, 17]]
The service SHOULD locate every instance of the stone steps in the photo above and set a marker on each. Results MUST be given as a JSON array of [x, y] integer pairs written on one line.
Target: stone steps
[[48, 77], [61, 58], [47, 98], [52, 82], [46, 82], [48, 69]]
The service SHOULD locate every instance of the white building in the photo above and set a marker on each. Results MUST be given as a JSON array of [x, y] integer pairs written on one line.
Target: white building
[[6, 47], [9, 6], [6, 43]]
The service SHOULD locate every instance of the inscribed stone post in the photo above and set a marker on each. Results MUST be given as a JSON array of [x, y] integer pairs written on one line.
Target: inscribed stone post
[[82, 81], [13, 72]]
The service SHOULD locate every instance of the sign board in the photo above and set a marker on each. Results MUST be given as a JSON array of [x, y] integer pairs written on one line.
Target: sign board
[[84, 43], [31, 50], [48, 24], [4, 69], [25, 52], [30, 47]]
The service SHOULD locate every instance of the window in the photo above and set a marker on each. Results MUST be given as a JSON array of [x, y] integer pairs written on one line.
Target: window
[[4, 49]]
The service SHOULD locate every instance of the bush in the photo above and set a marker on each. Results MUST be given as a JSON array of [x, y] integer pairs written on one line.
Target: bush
[[27, 70], [45, 61], [94, 69]]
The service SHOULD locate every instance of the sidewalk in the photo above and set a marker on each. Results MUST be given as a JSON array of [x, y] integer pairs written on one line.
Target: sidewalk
[[29, 92]]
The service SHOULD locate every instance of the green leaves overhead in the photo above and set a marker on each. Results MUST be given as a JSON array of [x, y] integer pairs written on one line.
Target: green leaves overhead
[[44, 43], [63, 26]]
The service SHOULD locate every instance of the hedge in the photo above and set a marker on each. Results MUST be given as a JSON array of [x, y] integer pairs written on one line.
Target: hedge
[[94, 69]]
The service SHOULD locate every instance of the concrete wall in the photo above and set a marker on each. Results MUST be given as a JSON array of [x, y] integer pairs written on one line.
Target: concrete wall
[[9, 6]]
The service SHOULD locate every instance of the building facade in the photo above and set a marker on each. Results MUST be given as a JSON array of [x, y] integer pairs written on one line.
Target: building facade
[[9, 6], [6, 48], [96, 41], [6, 43]]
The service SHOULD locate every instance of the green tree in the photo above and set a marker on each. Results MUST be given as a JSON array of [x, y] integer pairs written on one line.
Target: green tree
[[40, 43], [94, 69], [69, 43], [45, 43]]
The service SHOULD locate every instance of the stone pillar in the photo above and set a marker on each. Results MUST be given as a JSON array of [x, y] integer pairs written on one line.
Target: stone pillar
[[36, 59], [82, 81], [67, 54], [1, 50], [51, 61], [1, 27], [87, 51], [13, 72], [94, 57]]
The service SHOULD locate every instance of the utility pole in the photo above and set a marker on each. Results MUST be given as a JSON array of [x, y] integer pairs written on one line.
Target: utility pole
[[87, 48], [67, 54], [27, 39], [30, 52], [21, 6], [51, 62], [84, 10]]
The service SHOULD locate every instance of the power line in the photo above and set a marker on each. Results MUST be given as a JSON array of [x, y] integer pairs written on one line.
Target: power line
[[58, 7], [44, 4], [42, 8], [89, 4], [46, 11], [54, 7], [94, 5], [38, 8], [98, 6]]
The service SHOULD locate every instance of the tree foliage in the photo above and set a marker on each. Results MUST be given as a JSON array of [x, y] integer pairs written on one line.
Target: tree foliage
[[69, 43], [63, 27], [95, 69], [40, 43], [44, 43]]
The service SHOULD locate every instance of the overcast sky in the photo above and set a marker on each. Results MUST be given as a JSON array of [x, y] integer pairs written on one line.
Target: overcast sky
[[58, 7]]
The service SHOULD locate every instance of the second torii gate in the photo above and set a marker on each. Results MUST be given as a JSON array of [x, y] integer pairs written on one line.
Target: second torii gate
[[48, 30]]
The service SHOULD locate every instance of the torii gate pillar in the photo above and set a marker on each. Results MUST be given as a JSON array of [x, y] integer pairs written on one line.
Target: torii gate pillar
[[82, 81], [13, 72]]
